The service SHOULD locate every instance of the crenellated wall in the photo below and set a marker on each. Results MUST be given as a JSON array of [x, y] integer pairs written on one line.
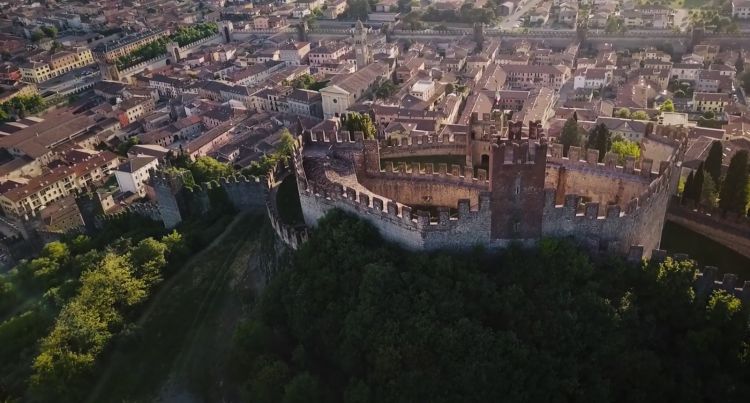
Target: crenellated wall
[[532, 191], [424, 145], [706, 281]]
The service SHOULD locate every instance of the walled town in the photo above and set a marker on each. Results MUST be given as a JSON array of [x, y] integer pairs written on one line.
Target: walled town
[[620, 126]]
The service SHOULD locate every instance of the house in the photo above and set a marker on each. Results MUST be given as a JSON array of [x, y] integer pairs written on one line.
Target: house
[[133, 175], [134, 108], [628, 129], [335, 8], [506, 8], [294, 53], [540, 14], [567, 14], [305, 103], [741, 9], [423, 89], [594, 78], [709, 102], [686, 71]]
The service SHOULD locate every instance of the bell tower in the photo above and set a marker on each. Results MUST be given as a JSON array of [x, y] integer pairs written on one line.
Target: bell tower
[[361, 49]]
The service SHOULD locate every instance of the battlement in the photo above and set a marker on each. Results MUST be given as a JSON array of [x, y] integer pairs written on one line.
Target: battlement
[[338, 137], [589, 159], [523, 153], [425, 141], [572, 207], [456, 175], [396, 213], [706, 281]]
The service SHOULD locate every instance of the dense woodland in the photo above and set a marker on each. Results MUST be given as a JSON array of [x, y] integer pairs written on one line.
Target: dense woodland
[[358, 320]]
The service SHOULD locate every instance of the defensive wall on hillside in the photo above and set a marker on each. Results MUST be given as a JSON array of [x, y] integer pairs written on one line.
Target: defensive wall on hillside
[[706, 282], [730, 231], [530, 193]]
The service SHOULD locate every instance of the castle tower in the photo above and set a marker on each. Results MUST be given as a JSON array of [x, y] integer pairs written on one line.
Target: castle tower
[[364, 57], [226, 28], [517, 172], [173, 52]]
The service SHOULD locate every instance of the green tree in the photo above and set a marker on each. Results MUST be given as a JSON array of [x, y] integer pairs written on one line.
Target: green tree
[[600, 139], [714, 160], [386, 89], [734, 191], [624, 149], [698, 182], [303, 388], [623, 113], [206, 169], [571, 134], [709, 193], [667, 106], [639, 115], [49, 31], [450, 88], [356, 122], [687, 192]]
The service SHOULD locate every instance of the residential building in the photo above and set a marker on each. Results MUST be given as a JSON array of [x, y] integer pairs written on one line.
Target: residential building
[[294, 53], [42, 67], [526, 77], [305, 103], [708, 101], [19, 198], [741, 9], [628, 129], [133, 175]]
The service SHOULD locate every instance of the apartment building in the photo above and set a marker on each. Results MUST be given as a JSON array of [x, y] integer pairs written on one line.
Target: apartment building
[[18, 198], [42, 67], [526, 77], [134, 108], [709, 102], [328, 54]]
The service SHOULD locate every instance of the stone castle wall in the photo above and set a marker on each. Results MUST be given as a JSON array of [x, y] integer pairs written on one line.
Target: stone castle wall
[[520, 207], [425, 145]]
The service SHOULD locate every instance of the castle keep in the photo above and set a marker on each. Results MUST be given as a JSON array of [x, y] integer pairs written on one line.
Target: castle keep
[[511, 186]]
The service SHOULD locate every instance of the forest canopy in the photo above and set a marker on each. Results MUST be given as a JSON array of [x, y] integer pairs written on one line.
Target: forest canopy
[[357, 320]]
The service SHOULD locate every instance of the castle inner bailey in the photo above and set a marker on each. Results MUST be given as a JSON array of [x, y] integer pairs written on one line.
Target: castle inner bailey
[[513, 187]]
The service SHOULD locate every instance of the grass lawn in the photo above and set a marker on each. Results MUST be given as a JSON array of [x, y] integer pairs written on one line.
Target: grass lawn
[[186, 308]]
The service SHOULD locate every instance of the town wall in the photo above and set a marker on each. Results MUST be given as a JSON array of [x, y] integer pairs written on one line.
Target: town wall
[[732, 233]]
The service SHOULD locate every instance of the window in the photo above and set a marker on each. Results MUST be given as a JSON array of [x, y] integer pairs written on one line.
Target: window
[[335, 101]]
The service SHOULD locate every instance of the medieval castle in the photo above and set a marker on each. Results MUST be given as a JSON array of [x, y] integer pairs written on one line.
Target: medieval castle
[[513, 187]]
